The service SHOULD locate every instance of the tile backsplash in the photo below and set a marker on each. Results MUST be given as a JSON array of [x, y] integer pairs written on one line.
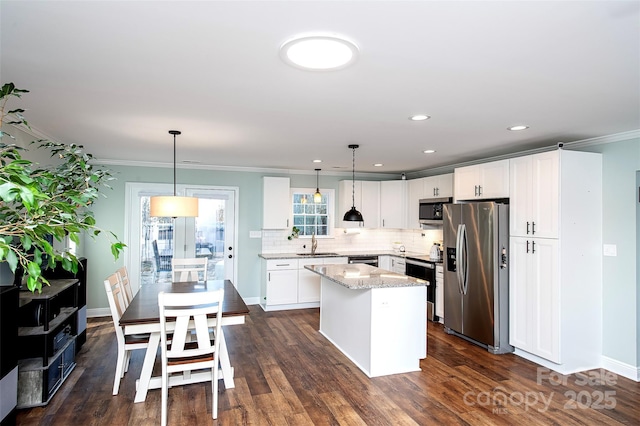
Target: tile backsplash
[[355, 240]]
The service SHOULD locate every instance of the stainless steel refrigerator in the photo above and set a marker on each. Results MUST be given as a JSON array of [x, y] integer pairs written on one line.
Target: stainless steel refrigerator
[[476, 275]]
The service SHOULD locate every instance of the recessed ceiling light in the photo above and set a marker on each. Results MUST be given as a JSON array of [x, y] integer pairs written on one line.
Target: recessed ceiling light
[[319, 52], [419, 117], [317, 161], [378, 165], [429, 151], [519, 127]]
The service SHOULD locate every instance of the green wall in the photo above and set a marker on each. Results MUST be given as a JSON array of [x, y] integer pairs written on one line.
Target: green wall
[[109, 215]]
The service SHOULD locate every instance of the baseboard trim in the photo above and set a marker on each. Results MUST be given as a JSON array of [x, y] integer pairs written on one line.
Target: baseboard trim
[[98, 312], [621, 368]]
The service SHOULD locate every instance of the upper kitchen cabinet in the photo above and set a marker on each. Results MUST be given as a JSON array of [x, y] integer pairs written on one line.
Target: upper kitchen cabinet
[[425, 188], [534, 187], [440, 186], [482, 181], [276, 202], [367, 202], [393, 204], [415, 194]]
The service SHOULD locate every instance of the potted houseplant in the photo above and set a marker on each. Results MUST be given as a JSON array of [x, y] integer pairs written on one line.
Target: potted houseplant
[[39, 204]]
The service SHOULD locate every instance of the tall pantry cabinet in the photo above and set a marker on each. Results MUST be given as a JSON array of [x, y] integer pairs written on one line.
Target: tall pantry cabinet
[[555, 280]]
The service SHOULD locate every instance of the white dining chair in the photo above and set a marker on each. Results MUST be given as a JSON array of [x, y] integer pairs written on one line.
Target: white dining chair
[[126, 283], [185, 352], [128, 343], [189, 269]]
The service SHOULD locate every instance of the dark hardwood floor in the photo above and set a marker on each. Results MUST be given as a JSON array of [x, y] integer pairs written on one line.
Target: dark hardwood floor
[[286, 373]]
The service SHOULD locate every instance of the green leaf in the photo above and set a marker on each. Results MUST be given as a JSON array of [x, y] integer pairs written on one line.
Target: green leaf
[[12, 260]]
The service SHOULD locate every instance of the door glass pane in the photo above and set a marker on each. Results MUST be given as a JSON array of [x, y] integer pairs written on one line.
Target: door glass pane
[[157, 245], [210, 235]]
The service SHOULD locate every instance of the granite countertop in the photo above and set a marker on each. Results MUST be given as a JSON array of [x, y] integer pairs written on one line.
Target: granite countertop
[[361, 276], [307, 255]]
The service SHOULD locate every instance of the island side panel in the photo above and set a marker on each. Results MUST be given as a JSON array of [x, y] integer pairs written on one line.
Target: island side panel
[[345, 319], [398, 330]]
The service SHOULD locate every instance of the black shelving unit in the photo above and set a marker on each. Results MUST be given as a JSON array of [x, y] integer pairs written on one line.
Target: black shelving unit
[[48, 326], [60, 273], [8, 354]]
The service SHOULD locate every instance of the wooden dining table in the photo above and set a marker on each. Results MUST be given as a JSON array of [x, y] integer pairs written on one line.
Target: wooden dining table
[[143, 316]]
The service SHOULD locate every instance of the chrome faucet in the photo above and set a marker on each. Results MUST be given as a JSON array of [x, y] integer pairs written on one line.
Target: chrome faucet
[[314, 243]]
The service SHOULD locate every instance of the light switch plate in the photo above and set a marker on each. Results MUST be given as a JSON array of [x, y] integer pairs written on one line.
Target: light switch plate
[[610, 250]]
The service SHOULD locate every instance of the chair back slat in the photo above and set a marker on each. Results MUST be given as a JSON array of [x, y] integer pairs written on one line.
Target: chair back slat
[[116, 297], [189, 269], [190, 311], [126, 283]]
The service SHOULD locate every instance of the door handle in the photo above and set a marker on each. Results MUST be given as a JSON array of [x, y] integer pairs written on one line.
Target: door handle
[[533, 228], [527, 246], [533, 246], [230, 256], [527, 228]]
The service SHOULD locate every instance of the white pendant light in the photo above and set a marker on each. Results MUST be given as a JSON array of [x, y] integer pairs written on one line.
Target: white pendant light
[[353, 215], [317, 197], [173, 206]]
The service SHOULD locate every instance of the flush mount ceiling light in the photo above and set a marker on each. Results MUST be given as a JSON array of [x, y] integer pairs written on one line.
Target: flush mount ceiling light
[[317, 197], [518, 127], [378, 165], [428, 151], [173, 206], [317, 161], [419, 117], [319, 52], [353, 215]]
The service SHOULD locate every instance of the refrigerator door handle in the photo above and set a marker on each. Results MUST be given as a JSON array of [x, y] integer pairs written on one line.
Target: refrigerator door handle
[[461, 258], [465, 261], [459, 265]]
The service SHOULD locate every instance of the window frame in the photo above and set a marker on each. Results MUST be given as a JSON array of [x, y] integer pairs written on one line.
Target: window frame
[[330, 197]]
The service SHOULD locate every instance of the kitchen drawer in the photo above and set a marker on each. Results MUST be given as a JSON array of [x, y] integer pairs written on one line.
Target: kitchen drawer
[[275, 264]]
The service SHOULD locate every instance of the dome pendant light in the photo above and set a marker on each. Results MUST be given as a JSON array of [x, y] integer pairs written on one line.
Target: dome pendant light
[[353, 215], [173, 206], [317, 197]]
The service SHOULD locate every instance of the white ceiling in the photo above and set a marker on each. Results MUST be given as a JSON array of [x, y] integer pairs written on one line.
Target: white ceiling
[[116, 76]]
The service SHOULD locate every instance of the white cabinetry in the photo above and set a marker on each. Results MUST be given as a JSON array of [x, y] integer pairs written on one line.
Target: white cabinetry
[[276, 202], [438, 186], [367, 202], [534, 195], [415, 194], [393, 204], [425, 188], [555, 274], [535, 297], [482, 181], [281, 281], [440, 293], [398, 265], [288, 285]]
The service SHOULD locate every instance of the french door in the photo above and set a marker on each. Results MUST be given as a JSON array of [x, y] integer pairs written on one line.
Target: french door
[[153, 241]]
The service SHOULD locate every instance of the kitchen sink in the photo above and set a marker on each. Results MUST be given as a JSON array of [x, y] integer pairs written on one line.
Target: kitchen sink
[[317, 254]]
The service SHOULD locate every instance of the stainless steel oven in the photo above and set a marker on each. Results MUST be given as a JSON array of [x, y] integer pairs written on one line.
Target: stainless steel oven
[[425, 271]]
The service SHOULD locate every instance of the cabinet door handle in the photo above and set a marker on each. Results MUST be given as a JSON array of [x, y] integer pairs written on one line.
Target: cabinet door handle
[[475, 190], [527, 228], [533, 228], [479, 190], [527, 246], [269, 274], [533, 246]]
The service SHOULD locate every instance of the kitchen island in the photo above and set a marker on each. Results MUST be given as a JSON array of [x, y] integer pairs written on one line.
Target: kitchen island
[[377, 318]]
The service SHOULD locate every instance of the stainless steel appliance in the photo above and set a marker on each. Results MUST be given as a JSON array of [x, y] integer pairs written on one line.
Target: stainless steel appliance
[[425, 271], [476, 276], [369, 260], [431, 210]]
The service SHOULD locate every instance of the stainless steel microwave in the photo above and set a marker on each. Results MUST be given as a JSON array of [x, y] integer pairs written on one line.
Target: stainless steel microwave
[[431, 210]]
